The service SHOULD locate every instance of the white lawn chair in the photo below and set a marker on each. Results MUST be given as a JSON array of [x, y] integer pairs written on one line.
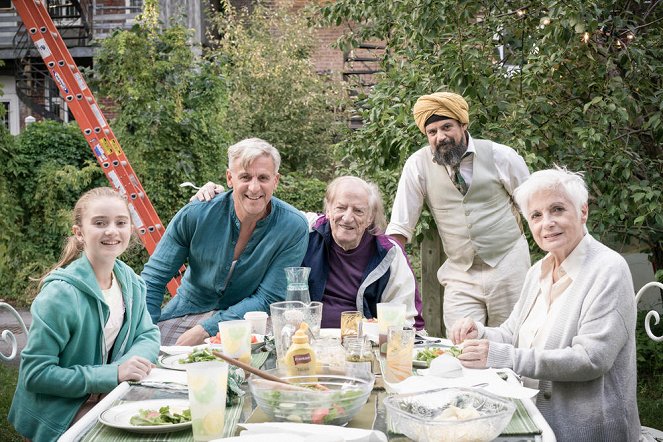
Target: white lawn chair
[[8, 335], [648, 434]]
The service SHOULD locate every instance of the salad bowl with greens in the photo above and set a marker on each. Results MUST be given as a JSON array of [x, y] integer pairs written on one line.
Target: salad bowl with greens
[[331, 397]]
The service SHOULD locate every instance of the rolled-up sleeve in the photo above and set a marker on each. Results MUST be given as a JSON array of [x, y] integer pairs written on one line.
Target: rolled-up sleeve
[[408, 202]]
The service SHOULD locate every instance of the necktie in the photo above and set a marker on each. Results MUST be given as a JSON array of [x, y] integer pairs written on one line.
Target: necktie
[[458, 180]]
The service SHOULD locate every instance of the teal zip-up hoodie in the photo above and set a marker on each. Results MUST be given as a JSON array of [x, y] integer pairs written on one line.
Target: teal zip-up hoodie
[[65, 358]]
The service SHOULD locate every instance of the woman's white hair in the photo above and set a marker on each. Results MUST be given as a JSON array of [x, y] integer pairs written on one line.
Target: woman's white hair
[[375, 205], [558, 179], [246, 151]]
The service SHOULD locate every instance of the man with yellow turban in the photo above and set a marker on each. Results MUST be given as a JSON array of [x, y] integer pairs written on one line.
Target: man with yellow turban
[[467, 185]]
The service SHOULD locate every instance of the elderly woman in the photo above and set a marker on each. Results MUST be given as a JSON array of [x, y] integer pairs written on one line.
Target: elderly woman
[[354, 266], [571, 334]]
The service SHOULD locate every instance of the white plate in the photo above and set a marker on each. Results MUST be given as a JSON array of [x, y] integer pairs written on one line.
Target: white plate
[[416, 350], [172, 362], [260, 339], [120, 415]]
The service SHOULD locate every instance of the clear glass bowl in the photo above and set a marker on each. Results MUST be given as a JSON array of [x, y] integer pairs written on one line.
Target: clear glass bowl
[[428, 416], [336, 406]]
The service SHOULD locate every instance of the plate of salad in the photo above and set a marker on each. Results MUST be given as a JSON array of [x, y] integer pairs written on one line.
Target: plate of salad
[[423, 356], [178, 362], [151, 416]]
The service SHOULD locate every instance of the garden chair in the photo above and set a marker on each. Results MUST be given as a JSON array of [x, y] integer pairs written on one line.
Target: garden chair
[[648, 434], [8, 335]]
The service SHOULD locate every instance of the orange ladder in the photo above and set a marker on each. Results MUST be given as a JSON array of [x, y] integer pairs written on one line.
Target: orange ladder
[[96, 130]]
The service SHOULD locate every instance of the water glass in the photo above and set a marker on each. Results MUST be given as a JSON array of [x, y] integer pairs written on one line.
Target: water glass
[[297, 284], [400, 349], [236, 339], [389, 315], [207, 383]]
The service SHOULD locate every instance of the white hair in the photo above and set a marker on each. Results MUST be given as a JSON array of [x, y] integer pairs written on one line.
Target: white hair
[[558, 179], [375, 206], [246, 151]]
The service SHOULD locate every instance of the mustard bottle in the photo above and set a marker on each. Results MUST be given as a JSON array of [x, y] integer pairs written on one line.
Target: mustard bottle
[[300, 358]]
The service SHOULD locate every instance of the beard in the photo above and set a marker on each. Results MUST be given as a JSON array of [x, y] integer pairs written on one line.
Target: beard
[[450, 153]]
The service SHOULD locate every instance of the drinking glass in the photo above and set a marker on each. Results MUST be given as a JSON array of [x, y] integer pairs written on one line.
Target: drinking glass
[[350, 323], [286, 317], [207, 383], [236, 339], [388, 315], [400, 346]]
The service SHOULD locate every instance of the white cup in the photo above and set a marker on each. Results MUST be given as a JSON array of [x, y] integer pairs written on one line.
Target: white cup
[[258, 322]]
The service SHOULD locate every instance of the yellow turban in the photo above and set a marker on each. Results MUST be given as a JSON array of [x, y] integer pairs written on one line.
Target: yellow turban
[[444, 104]]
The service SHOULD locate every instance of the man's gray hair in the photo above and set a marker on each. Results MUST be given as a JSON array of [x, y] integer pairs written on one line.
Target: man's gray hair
[[375, 205], [246, 151], [558, 179]]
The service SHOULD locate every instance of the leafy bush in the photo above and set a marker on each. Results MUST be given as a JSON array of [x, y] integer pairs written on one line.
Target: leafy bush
[[275, 92], [304, 193], [170, 106], [48, 167], [578, 86]]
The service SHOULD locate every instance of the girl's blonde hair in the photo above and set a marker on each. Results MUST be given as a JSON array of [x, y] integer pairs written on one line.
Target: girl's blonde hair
[[73, 247]]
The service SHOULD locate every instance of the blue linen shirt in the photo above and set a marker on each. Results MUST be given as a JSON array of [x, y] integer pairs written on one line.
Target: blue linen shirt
[[205, 235]]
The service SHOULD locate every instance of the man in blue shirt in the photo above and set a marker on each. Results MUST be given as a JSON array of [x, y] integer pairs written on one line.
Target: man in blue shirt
[[236, 247]]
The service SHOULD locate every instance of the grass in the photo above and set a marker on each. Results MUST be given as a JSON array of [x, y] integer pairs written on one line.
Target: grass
[[8, 378]]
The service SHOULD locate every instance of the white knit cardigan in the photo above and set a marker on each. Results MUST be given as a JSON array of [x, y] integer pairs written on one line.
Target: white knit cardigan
[[587, 370]]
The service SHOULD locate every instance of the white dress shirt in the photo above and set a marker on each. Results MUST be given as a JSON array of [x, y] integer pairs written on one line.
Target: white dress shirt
[[409, 200]]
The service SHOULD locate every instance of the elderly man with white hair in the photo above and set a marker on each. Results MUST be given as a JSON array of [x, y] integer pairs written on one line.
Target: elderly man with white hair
[[467, 185], [572, 333], [236, 247], [354, 266]]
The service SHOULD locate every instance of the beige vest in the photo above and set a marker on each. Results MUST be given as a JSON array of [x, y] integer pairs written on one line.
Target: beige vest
[[480, 223]]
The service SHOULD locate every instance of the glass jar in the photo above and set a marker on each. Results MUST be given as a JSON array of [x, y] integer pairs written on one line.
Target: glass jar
[[359, 358]]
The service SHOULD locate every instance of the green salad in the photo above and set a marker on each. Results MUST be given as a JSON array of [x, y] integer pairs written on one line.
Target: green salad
[[162, 417], [428, 354], [200, 355]]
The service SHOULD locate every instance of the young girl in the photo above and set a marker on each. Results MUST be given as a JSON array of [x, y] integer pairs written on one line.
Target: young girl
[[90, 326]]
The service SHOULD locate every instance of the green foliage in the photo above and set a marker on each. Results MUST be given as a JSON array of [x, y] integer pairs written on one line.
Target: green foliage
[[47, 168], [170, 106], [650, 367], [579, 85], [275, 92], [302, 192]]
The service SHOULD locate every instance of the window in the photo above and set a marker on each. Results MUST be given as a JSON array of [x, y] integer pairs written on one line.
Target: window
[[5, 4]]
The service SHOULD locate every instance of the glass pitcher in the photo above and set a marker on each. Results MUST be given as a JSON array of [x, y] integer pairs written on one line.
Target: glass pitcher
[[297, 288], [287, 316]]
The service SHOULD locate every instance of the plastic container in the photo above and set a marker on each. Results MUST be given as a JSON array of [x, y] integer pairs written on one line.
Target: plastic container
[[258, 322], [425, 417]]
